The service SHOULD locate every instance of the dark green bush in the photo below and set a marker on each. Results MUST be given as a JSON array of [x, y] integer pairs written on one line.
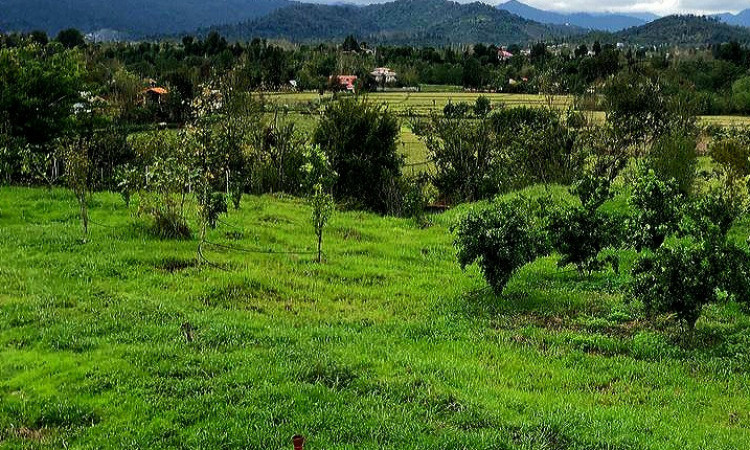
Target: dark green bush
[[500, 238], [580, 233], [683, 277], [360, 140], [657, 208]]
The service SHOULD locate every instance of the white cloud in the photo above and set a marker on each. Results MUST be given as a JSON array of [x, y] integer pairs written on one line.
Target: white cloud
[[661, 7]]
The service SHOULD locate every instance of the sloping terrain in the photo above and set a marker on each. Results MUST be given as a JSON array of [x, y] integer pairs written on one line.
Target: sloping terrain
[[132, 17], [418, 22], [123, 342], [684, 30]]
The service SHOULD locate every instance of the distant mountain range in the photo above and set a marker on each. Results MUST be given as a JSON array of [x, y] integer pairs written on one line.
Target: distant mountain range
[[601, 21], [133, 17], [741, 19], [684, 30], [401, 22], [605, 21], [414, 22]]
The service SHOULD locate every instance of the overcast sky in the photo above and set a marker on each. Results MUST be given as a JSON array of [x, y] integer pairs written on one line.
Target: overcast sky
[[661, 7]]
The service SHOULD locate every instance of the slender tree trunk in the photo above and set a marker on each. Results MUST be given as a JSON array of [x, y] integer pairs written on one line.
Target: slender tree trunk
[[84, 217], [320, 247]]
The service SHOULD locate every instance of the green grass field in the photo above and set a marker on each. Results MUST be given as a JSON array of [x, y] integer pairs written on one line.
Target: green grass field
[[388, 344], [422, 103]]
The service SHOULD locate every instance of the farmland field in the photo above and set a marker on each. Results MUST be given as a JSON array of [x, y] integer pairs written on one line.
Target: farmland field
[[123, 342], [422, 103]]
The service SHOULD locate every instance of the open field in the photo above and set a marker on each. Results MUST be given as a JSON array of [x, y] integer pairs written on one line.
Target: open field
[[422, 103], [388, 344]]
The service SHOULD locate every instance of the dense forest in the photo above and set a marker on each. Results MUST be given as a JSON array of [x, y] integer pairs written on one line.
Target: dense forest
[[413, 22], [129, 18]]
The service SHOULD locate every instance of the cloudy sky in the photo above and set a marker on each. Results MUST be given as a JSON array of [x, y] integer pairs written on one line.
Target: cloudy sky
[[661, 7]]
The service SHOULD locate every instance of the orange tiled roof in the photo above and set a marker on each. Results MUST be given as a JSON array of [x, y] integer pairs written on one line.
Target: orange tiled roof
[[157, 90]]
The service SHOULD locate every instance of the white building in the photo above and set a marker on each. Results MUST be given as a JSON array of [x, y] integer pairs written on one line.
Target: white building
[[384, 74]]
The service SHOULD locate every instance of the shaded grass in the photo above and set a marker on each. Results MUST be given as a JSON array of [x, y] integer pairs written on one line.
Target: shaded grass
[[386, 345]]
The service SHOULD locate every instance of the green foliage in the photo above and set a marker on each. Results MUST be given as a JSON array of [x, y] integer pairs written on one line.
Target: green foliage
[[482, 106], [70, 38], [319, 178], [543, 147], [741, 94], [580, 233], [163, 176], [732, 154], [657, 208], [38, 87], [500, 238], [683, 277], [457, 110], [360, 140], [710, 216], [511, 148], [674, 158], [467, 164], [75, 152]]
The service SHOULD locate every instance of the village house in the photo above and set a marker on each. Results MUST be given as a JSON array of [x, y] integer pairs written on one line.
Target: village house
[[154, 96], [384, 75], [346, 81], [504, 55]]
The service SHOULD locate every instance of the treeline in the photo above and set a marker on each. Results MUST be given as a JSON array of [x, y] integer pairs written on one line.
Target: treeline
[[716, 78]]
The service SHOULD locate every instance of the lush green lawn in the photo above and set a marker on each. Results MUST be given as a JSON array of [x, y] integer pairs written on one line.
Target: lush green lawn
[[388, 344]]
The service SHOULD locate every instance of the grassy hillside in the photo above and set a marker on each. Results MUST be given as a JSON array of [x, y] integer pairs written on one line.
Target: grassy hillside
[[385, 345]]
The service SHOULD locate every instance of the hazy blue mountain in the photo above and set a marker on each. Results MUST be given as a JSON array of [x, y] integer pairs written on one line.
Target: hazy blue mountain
[[134, 17], [741, 19], [418, 22], [603, 21]]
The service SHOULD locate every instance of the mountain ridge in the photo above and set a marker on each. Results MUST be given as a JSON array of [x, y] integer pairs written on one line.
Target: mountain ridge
[[132, 17], [416, 22], [592, 21], [684, 30]]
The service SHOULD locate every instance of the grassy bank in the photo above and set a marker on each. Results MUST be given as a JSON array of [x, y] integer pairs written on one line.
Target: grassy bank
[[123, 342]]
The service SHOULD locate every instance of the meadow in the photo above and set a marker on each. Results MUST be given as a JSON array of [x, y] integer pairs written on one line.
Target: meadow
[[124, 342], [302, 109]]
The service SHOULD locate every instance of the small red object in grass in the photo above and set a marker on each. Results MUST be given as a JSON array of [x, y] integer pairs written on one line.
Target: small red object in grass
[[298, 441]]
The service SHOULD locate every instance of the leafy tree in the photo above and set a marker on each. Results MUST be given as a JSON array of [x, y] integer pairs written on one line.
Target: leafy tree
[[209, 162], [464, 152], [360, 141], [741, 94], [541, 145], [38, 88], [163, 172], [683, 277], [456, 110], [500, 238], [674, 157], [75, 151], [732, 154], [71, 38], [580, 233], [319, 179], [350, 44], [482, 106], [657, 208]]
